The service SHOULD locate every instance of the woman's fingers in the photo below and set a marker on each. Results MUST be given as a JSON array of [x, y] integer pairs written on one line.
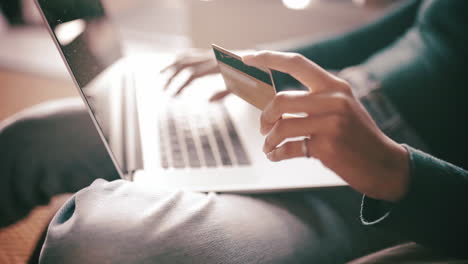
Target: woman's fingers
[[186, 83], [197, 72], [172, 65], [219, 95], [289, 128], [313, 104], [179, 65], [197, 66], [187, 59], [318, 126], [176, 72], [289, 150], [298, 66]]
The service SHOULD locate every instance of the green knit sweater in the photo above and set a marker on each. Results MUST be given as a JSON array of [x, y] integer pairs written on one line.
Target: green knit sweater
[[419, 54]]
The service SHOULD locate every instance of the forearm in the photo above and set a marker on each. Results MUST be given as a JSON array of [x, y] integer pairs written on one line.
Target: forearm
[[354, 47], [434, 212], [424, 74]]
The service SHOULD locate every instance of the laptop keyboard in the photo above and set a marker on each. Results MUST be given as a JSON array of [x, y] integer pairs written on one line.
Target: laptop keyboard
[[190, 138]]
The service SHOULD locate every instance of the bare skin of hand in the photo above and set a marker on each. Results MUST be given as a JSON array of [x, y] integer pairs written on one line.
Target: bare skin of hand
[[200, 63], [342, 134]]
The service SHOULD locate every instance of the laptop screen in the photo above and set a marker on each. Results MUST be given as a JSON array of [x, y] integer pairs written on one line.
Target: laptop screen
[[86, 37], [91, 47]]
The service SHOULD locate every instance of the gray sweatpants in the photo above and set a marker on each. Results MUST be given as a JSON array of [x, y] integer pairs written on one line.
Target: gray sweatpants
[[54, 148]]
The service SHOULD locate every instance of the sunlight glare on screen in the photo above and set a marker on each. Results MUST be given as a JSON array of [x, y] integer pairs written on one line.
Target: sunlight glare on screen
[[68, 31], [296, 4]]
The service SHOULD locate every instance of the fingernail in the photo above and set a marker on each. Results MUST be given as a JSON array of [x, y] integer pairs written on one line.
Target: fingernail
[[213, 99], [264, 130], [266, 149], [269, 155], [247, 58]]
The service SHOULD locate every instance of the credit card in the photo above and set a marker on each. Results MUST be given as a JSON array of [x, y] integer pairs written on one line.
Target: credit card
[[254, 85]]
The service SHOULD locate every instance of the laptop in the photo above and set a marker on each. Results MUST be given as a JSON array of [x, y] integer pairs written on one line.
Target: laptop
[[159, 141]]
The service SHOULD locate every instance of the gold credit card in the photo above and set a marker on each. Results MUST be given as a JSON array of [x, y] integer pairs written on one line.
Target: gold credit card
[[254, 85]]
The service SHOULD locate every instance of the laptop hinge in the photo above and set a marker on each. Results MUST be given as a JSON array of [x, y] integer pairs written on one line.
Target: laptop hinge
[[129, 176]]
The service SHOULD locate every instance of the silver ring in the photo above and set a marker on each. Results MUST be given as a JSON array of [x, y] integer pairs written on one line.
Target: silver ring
[[305, 147]]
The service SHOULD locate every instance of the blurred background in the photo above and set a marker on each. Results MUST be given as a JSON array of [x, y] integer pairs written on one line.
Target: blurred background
[[32, 72]]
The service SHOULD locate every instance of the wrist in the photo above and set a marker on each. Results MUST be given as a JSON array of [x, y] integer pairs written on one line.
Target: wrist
[[398, 175]]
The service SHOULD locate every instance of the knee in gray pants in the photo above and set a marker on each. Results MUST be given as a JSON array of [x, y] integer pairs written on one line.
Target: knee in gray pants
[[48, 149], [124, 222]]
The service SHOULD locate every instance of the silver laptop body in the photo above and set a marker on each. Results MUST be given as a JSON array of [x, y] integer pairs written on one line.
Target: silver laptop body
[[154, 139]]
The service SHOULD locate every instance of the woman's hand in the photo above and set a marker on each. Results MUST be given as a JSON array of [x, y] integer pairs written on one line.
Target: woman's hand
[[341, 133], [199, 63]]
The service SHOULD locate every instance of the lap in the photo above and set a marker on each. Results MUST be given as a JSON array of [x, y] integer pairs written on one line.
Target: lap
[[408, 253], [124, 222], [55, 148]]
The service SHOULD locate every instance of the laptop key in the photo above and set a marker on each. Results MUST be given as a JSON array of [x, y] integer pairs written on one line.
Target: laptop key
[[207, 149], [222, 149], [188, 143], [210, 145], [162, 147], [193, 159], [208, 152], [176, 151], [239, 151]]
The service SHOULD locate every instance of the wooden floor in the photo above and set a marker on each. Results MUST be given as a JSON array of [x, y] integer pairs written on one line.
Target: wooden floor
[[21, 90], [18, 241]]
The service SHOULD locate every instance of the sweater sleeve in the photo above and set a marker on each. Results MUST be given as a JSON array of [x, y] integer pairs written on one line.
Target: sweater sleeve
[[434, 212], [354, 47]]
